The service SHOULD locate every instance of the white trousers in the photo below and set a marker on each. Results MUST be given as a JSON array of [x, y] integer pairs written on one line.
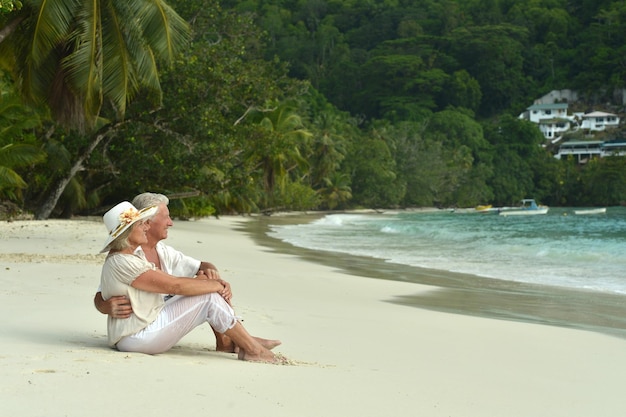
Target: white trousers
[[179, 316]]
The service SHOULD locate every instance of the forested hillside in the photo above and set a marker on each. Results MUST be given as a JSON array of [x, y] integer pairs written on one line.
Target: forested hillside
[[257, 106], [404, 59]]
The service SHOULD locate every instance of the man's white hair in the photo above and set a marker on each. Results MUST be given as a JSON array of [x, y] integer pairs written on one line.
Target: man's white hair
[[145, 200]]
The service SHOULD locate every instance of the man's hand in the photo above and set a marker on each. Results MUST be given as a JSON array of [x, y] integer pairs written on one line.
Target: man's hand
[[210, 273], [117, 307], [120, 307]]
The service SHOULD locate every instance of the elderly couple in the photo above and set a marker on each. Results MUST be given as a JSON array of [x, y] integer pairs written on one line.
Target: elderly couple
[[154, 295]]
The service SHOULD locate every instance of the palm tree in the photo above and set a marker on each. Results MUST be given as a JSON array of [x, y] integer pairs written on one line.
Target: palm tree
[[74, 57], [281, 154], [329, 146], [336, 191]]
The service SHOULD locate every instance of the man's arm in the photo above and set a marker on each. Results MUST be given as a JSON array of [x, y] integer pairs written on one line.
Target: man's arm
[[117, 307]]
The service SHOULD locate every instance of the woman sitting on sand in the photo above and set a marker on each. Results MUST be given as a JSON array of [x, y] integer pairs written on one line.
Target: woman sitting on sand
[[155, 326]]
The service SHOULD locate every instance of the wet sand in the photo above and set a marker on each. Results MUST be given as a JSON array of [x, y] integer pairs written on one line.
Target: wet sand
[[467, 294]]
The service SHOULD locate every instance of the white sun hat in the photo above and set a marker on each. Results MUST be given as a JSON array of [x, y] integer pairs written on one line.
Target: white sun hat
[[121, 217]]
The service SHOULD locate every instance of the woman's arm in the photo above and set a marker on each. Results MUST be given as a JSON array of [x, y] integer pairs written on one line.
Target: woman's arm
[[160, 282], [211, 272]]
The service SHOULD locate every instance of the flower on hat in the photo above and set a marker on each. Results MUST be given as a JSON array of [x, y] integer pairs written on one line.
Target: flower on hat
[[128, 216]]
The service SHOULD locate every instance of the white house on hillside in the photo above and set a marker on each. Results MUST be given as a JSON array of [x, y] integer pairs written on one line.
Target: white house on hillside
[[554, 128], [552, 119], [538, 112], [598, 121], [550, 114]]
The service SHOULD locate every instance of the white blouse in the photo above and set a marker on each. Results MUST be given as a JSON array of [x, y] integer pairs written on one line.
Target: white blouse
[[118, 273]]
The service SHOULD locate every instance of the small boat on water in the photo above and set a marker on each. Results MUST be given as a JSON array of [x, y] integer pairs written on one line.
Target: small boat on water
[[591, 211], [487, 208], [528, 207]]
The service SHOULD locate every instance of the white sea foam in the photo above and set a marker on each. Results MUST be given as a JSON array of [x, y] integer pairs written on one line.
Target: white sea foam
[[555, 249]]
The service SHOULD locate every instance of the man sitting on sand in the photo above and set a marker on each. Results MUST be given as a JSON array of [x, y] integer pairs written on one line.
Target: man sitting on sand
[[168, 260]]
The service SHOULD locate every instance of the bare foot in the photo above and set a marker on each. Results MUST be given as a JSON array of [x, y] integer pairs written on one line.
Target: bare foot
[[267, 343], [264, 355], [233, 348]]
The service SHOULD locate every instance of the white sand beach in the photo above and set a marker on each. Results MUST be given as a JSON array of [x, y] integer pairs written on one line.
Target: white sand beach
[[352, 351]]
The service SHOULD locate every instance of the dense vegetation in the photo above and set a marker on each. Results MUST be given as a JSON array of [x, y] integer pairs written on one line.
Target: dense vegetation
[[254, 106]]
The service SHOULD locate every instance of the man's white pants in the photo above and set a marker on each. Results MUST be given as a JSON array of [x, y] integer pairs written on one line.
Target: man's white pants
[[179, 316]]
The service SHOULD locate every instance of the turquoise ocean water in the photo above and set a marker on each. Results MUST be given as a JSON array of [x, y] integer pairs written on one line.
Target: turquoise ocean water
[[560, 249]]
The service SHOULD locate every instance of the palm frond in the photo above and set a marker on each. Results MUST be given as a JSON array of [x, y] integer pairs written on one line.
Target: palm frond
[[9, 180], [53, 20], [15, 155], [147, 69], [157, 17], [15, 118], [74, 56], [84, 64], [118, 72]]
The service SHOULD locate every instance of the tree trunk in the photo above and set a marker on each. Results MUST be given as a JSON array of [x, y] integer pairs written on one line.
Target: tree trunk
[[46, 208]]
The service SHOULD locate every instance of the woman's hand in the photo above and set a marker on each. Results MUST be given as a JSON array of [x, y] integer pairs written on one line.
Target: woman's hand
[[226, 293]]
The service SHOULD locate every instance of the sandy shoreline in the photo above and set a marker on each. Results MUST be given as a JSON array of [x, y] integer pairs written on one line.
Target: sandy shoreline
[[467, 294], [357, 350]]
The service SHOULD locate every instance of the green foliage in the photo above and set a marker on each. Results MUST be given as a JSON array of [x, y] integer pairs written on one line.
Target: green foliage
[[281, 153], [299, 105], [517, 150], [461, 90], [194, 207], [223, 130], [454, 129], [420, 163], [80, 193], [294, 196], [12, 157], [493, 56], [372, 169], [603, 182], [19, 150], [8, 6]]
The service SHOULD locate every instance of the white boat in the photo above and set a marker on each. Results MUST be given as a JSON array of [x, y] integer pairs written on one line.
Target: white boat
[[591, 211], [528, 208]]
